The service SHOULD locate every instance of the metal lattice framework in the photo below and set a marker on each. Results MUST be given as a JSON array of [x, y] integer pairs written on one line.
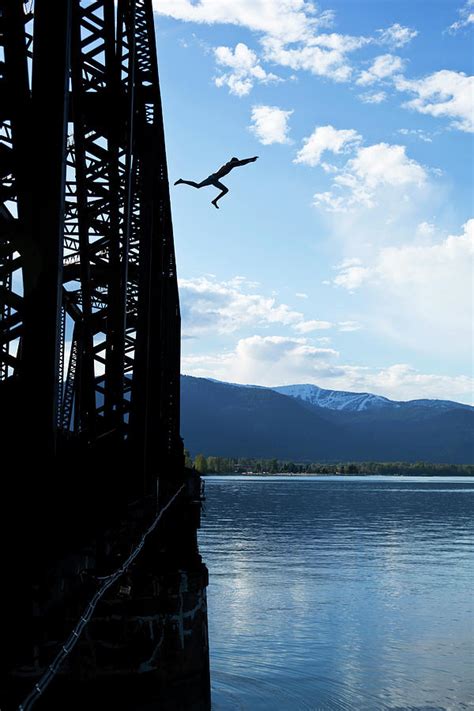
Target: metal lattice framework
[[15, 50], [88, 291]]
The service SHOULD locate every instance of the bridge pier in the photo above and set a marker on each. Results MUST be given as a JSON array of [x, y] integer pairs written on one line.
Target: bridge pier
[[145, 647]]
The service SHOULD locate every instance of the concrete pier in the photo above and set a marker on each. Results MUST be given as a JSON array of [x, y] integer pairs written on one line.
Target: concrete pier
[[145, 647]]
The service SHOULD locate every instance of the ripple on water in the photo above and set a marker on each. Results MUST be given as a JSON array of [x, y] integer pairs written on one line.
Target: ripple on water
[[276, 690]]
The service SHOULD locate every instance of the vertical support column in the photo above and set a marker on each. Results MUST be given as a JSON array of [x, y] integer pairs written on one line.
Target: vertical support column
[[142, 404], [42, 275]]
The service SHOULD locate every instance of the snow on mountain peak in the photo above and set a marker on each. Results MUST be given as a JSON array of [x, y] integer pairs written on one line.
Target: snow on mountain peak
[[335, 399]]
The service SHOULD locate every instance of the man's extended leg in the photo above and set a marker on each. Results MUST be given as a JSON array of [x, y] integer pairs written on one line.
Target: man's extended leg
[[223, 190], [189, 182], [202, 184]]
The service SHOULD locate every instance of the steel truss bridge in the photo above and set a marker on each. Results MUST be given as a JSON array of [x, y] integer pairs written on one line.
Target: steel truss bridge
[[90, 444]]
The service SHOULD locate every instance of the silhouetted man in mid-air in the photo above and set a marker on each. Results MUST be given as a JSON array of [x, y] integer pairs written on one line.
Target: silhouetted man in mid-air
[[213, 179]]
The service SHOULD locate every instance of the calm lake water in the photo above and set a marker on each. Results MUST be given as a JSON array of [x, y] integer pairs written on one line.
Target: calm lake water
[[336, 593]]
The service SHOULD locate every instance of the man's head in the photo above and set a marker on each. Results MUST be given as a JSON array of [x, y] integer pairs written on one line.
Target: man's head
[[233, 159]]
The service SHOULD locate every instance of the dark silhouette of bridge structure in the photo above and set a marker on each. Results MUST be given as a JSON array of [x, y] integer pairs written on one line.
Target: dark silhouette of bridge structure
[[90, 366]]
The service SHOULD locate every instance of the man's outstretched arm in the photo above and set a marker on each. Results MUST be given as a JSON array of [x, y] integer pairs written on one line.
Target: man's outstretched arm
[[244, 161]]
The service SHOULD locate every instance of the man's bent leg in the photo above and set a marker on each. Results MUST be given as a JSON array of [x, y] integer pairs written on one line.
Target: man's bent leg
[[223, 192]]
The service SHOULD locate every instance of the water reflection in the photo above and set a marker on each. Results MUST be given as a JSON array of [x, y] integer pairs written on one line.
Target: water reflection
[[329, 594]]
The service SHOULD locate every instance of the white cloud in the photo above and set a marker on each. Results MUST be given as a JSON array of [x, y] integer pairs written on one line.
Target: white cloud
[[225, 307], [332, 203], [376, 97], [424, 268], [210, 306], [425, 229], [383, 66], [424, 288], [326, 138], [322, 55], [373, 168], [403, 382], [309, 326], [275, 360], [301, 295], [466, 17], [417, 133], [349, 326], [245, 69], [386, 164], [396, 35], [266, 348], [265, 360], [292, 20], [290, 31], [351, 274], [270, 124], [328, 167], [444, 93], [418, 265]]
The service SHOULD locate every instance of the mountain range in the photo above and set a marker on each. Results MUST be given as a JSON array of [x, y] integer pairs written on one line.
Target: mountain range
[[356, 402], [307, 423]]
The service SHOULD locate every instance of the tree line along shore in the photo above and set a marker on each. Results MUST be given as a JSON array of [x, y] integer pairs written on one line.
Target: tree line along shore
[[239, 465]]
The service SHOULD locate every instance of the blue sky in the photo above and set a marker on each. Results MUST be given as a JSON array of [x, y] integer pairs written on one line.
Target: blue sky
[[343, 256]]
